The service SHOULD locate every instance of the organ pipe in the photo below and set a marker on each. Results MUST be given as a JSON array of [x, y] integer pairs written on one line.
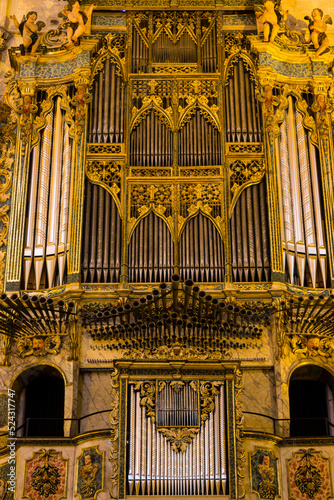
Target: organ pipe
[[242, 110], [46, 241], [201, 251], [151, 143], [151, 251], [303, 238], [199, 470], [106, 115], [101, 246], [249, 236], [199, 143]]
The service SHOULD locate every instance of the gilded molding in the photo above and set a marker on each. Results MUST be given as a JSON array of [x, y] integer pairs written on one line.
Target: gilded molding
[[114, 433], [239, 421]]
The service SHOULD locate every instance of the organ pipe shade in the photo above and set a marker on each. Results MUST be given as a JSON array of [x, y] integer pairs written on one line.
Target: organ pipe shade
[[199, 143], [107, 109], [151, 252], [201, 251], [151, 143], [177, 408], [303, 234], [47, 216], [154, 468], [184, 51], [243, 116], [102, 229], [250, 236], [139, 53]]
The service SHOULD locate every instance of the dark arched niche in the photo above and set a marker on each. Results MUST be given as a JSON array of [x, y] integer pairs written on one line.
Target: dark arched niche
[[40, 394], [311, 392]]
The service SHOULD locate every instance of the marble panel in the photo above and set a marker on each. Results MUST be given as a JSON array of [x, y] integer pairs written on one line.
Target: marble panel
[[94, 394]]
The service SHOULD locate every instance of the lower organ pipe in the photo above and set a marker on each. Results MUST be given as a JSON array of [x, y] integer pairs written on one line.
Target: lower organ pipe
[[157, 469]]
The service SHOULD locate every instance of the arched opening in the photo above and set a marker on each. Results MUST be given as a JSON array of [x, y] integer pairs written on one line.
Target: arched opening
[[311, 402], [40, 398], [201, 251], [151, 251]]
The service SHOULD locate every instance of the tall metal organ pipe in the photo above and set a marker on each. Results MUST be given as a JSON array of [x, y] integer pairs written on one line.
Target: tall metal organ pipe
[[199, 143], [46, 234], [209, 53], [107, 109], [151, 143], [250, 236], [302, 233], [139, 53], [201, 251], [154, 468], [151, 251], [184, 51], [243, 114], [102, 230]]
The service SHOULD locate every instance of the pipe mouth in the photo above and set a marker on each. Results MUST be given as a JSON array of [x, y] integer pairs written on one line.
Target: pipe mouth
[[3, 296], [14, 297], [70, 305], [42, 300], [189, 283], [195, 289], [136, 304], [149, 297], [202, 294], [61, 303], [175, 278], [142, 300], [120, 309], [155, 292], [50, 302], [163, 286]]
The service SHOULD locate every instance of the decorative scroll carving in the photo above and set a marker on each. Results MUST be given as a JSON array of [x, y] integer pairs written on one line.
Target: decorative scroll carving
[[147, 393], [208, 391], [114, 438], [242, 175]]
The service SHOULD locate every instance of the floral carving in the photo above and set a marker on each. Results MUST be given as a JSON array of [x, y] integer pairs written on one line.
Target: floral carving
[[308, 477], [180, 437]]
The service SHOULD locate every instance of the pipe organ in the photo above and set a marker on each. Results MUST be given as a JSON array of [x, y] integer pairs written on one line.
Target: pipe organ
[[46, 240], [167, 218], [176, 451]]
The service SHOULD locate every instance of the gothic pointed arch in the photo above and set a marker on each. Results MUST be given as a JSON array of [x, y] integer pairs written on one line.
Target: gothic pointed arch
[[201, 251], [151, 139], [102, 236], [151, 251], [199, 137]]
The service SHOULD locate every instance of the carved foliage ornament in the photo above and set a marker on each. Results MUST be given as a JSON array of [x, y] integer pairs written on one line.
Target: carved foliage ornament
[[46, 475], [309, 475]]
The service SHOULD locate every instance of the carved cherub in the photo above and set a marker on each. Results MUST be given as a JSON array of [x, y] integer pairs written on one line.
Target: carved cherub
[[78, 20], [270, 21], [312, 345], [318, 27], [28, 29]]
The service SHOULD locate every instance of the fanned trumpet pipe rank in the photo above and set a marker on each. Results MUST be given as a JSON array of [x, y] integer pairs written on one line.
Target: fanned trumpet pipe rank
[[311, 315], [182, 315], [34, 316]]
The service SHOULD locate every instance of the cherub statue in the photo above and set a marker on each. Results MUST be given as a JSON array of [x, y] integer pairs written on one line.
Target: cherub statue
[[270, 21], [28, 29], [317, 27], [77, 21]]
